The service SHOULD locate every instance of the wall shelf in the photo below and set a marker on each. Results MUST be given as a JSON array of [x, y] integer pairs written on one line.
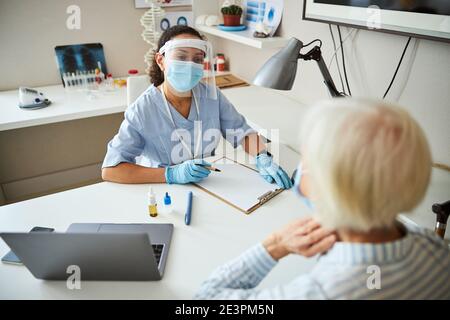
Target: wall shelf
[[245, 37]]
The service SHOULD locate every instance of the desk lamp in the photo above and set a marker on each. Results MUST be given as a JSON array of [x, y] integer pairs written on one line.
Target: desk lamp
[[280, 70]]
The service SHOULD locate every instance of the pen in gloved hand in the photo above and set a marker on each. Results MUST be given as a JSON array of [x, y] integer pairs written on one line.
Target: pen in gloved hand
[[210, 168]]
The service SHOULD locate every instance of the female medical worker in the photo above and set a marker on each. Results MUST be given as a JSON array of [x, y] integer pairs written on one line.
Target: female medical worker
[[179, 119]]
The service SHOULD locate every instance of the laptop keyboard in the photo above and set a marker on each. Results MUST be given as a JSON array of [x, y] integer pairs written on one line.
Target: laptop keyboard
[[157, 250]]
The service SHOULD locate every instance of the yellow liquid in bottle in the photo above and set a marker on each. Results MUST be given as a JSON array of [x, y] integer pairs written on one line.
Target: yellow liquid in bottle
[[153, 210]]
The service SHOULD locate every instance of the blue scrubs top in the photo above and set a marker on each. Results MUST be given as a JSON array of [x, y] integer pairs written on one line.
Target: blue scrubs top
[[148, 131]]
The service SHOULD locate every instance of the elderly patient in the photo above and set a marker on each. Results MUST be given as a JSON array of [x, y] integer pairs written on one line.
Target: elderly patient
[[363, 163]]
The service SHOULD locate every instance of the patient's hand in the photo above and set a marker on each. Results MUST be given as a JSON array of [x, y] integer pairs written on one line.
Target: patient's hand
[[304, 236]]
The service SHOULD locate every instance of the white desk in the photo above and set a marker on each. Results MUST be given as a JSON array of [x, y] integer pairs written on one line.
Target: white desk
[[217, 233], [65, 106], [57, 147], [266, 108]]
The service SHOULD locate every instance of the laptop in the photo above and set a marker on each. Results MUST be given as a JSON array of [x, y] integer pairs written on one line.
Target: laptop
[[102, 251]]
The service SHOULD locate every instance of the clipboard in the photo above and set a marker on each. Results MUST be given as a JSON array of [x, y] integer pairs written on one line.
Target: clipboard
[[229, 81], [238, 185]]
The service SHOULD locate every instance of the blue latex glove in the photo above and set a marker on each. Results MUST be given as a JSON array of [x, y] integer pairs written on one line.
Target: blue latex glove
[[188, 171], [271, 172]]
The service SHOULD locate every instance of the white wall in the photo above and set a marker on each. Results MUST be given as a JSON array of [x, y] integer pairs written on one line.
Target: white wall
[[30, 30], [371, 60]]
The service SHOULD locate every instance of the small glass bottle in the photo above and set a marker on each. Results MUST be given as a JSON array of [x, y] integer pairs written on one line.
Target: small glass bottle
[[152, 205], [167, 203], [220, 62], [109, 83], [99, 77]]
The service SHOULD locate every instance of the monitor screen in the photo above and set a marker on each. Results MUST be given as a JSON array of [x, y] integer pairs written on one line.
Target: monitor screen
[[420, 6], [420, 18]]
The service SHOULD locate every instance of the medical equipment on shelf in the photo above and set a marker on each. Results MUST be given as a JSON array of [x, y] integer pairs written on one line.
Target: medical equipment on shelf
[[78, 79], [99, 73], [151, 34], [31, 99], [120, 82], [220, 62], [81, 80], [133, 73], [109, 83], [90, 80]]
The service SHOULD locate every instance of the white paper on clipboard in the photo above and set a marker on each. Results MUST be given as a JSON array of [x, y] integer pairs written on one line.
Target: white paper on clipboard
[[238, 185]]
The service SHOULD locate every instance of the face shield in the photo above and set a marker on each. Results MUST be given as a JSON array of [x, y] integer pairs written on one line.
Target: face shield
[[184, 61]]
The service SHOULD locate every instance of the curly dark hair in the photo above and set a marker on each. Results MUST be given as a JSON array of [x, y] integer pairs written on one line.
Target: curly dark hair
[[156, 74]]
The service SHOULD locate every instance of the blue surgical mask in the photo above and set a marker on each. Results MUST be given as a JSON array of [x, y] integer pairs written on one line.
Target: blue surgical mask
[[297, 180], [184, 75]]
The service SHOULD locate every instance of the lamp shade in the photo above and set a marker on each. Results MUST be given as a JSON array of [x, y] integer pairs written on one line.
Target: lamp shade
[[280, 70]]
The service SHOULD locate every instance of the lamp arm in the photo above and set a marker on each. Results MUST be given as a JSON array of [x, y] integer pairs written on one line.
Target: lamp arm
[[316, 55]]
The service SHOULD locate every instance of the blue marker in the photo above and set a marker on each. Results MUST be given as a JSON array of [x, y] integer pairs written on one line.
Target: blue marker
[[187, 216]]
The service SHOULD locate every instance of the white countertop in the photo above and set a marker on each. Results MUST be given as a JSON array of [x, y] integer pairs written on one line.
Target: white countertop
[[65, 106], [264, 108], [217, 233]]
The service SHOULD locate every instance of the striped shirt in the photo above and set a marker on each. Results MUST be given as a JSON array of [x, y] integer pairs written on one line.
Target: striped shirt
[[416, 266]]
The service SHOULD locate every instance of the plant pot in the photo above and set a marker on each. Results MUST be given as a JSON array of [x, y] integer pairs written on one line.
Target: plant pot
[[231, 20]]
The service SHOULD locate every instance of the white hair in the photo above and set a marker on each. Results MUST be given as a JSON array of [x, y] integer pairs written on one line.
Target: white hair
[[367, 161]]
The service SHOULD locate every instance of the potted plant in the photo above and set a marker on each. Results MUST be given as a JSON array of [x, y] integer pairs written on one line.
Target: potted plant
[[231, 15]]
